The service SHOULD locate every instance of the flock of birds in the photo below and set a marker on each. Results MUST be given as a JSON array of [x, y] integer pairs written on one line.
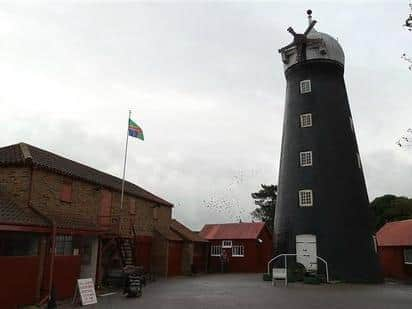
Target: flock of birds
[[407, 59], [405, 141], [228, 203]]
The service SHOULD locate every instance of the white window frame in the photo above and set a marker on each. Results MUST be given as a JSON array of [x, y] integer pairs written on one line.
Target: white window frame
[[64, 245], [305, 158], [306, 120], [305, 86], [226, 244], [407, 259], [305, 198], [238, 251], [215, 250]]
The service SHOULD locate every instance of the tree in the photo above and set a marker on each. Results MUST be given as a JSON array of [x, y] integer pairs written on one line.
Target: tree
[[389, 208], [265, 198]]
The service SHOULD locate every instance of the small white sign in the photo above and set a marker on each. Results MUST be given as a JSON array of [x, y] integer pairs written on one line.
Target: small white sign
[[87, 291]]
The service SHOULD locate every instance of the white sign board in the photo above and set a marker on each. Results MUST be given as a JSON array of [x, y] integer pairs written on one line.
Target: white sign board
[[86, 291]]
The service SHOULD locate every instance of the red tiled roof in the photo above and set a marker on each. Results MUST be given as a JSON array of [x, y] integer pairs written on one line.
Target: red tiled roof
[[232, 230], [185, 232], [398, 233], [24, 154], [10, 213]]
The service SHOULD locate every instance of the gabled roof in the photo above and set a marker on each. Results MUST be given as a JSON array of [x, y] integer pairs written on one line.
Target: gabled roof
[[10, 213], [169, 235], [232, 230], [25, 154], [398, 233], [185, 232]]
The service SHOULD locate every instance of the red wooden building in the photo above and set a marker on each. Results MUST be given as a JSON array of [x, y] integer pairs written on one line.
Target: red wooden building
[[238, 247], [395, 249]]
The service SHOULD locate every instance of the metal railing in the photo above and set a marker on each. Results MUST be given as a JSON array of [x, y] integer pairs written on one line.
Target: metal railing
[[285, 255]]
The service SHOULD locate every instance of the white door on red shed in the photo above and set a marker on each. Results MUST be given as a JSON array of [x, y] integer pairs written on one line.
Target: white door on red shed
[[306, 251]]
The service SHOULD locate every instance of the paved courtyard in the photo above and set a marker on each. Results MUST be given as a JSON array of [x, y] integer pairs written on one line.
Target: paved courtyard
[[249, 291]]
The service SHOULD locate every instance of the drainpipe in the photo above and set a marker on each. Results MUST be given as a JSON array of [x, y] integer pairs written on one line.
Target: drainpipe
[[53, 235], [28, 160], [52, 255]]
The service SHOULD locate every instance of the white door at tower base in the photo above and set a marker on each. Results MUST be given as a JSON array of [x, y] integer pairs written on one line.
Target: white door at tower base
[[306, 251]]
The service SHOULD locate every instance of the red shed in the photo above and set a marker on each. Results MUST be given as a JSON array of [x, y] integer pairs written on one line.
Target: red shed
[[238, 247], [395, 249]]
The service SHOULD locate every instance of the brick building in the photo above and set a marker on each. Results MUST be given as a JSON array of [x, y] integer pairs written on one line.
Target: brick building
[[395, 249], [238, 247], [50, 204]]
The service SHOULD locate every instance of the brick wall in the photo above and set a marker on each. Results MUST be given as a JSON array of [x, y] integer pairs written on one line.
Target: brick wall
[[162, 217], [86, 200], [85, 205], [46, 197], [14, 183], [144, 217]]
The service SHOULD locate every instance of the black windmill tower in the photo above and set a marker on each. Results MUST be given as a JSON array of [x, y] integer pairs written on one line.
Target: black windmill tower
[[322, 205]]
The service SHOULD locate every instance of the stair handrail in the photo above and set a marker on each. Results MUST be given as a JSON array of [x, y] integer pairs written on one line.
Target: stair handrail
[[285, 255]]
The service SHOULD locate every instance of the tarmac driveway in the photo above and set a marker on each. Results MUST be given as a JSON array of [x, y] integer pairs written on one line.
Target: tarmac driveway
[[249, 291]]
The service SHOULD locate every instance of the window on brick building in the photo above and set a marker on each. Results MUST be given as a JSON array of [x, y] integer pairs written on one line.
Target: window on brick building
[[19, 244], [66, 191], [105, 208], [64, 245], [155, 214]]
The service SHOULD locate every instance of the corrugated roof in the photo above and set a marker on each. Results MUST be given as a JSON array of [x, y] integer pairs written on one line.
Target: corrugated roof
[[242, 230], [10, 213], [185, 232], [397, 233], [23, 154]]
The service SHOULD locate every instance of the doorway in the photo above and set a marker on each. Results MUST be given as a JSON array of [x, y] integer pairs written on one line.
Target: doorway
[[306, 251]]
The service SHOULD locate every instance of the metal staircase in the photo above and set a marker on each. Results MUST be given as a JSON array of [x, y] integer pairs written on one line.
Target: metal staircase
[[126, 248]]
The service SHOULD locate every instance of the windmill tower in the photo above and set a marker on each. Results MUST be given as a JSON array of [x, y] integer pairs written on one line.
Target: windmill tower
[[322, 206]]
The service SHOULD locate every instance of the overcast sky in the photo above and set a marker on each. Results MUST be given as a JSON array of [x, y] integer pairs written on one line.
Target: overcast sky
[[206, 84]]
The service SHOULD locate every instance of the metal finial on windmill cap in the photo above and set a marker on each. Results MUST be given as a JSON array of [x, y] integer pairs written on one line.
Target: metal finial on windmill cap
[[309, 12]]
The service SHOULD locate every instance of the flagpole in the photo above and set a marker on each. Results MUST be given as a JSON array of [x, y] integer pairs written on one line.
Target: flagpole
[[124, 163]]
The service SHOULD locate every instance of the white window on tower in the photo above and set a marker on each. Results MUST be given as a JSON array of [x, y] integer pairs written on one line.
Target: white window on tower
[[359, 161], [305, 120], [305, 198], [305, 86], [306, 158], [226, 244]]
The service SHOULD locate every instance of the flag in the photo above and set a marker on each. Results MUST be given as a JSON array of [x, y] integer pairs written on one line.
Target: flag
[[135, 130]]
